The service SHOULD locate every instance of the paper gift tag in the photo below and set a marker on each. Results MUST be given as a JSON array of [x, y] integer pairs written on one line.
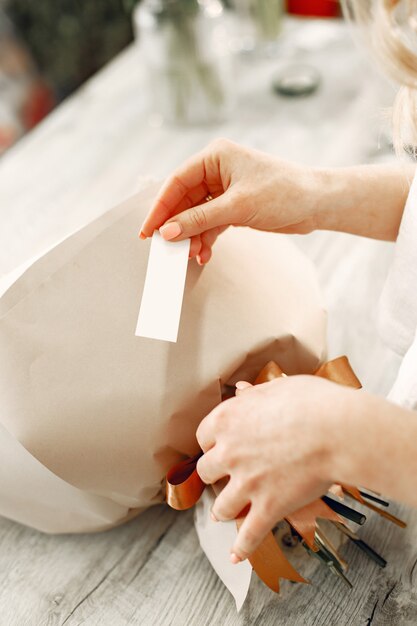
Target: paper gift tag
[[160, 309]]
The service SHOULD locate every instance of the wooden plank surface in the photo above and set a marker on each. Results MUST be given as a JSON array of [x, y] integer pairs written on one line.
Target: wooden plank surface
[[91, 153]]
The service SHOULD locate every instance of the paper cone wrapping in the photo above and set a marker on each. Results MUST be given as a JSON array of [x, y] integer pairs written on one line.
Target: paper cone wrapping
[[91, 416]]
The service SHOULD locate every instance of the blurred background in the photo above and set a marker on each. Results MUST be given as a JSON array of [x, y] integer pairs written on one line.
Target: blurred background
[[129, 89], [49, 48]]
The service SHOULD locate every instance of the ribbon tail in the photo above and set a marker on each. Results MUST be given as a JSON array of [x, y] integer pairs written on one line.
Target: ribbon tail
[[270, 564], [354, 493], [304, 520]]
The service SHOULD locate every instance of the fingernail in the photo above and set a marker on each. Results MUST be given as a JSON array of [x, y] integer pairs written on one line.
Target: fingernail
[[213, 517], [142, 235], [199, 261], [242, 384], [235, 559], [170, 231]]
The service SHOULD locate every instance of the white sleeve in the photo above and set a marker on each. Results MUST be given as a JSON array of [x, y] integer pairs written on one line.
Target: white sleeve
[[404, 390]]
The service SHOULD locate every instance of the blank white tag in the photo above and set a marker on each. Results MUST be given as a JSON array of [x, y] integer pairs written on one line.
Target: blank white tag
[[160, 309]]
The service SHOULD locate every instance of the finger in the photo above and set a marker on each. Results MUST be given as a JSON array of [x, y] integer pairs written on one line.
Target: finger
[[252, 532], [191, 198], [229, 503], [209, 467], [214, 423], [195, 246], [206, 434], [211, 425], [198, 219], [242, 386], [208, 239], [188, 177]]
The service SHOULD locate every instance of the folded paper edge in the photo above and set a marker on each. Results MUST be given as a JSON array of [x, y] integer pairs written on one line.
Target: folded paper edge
[[216, 539]]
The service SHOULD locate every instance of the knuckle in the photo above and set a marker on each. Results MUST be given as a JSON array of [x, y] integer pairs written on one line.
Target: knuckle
[[220, 144], [222, 511], [222, 454], [217, 418], [198, 218], [252, 483], [200, 467], [200, 433], [240, 485], [232, 460], [269, 508], [225, 410], [248, 540], [202, 475], [179, 184]]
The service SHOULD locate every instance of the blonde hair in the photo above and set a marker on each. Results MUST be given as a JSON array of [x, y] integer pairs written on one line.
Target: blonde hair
[[391, 30]]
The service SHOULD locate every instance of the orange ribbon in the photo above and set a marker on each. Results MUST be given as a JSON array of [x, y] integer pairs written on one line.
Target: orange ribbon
[[183, 485], [184, 488], [354, 493]]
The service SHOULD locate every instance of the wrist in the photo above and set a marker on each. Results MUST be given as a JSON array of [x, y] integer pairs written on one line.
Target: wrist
[[330, 432], [330, 198], [348, 451], [371, 444], [365, 200], [361, 440]]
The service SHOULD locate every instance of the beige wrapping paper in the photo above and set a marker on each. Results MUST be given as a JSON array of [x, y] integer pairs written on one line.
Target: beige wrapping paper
[[102, 414]]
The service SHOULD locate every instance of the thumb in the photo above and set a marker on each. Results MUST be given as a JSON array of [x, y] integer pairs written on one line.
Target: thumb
[[197, 220]]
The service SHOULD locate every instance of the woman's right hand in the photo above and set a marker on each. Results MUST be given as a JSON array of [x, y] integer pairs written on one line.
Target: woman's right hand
[[244, 188]]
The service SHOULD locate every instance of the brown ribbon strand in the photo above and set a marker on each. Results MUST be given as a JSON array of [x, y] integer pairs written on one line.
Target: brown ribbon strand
[[270, 563], [184, 488], [354, 493], [304, 521]]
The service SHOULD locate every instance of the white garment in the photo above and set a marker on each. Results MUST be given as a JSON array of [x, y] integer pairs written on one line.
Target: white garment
[[398, 307]]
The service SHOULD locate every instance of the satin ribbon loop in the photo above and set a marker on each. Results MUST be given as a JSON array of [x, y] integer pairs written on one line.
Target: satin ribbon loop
[[339, 371], [183, 485]]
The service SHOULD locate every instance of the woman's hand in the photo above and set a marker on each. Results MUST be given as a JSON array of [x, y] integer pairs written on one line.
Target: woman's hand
[[277, 442], [284, 443], [247, 187]]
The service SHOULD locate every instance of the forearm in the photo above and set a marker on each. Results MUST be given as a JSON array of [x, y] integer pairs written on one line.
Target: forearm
[[377, 447], [365, 200]]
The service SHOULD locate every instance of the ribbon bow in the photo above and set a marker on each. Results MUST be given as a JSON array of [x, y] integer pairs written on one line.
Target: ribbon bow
[[184, 488]]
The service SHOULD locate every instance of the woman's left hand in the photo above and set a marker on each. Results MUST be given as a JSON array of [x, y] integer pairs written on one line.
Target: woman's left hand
[[277, 443]]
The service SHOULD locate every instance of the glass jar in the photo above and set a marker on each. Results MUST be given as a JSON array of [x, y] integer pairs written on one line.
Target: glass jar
[[260, 24], [189, 64]]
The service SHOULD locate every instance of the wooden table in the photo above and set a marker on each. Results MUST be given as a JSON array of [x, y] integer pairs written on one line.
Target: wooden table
[[96, 149]]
